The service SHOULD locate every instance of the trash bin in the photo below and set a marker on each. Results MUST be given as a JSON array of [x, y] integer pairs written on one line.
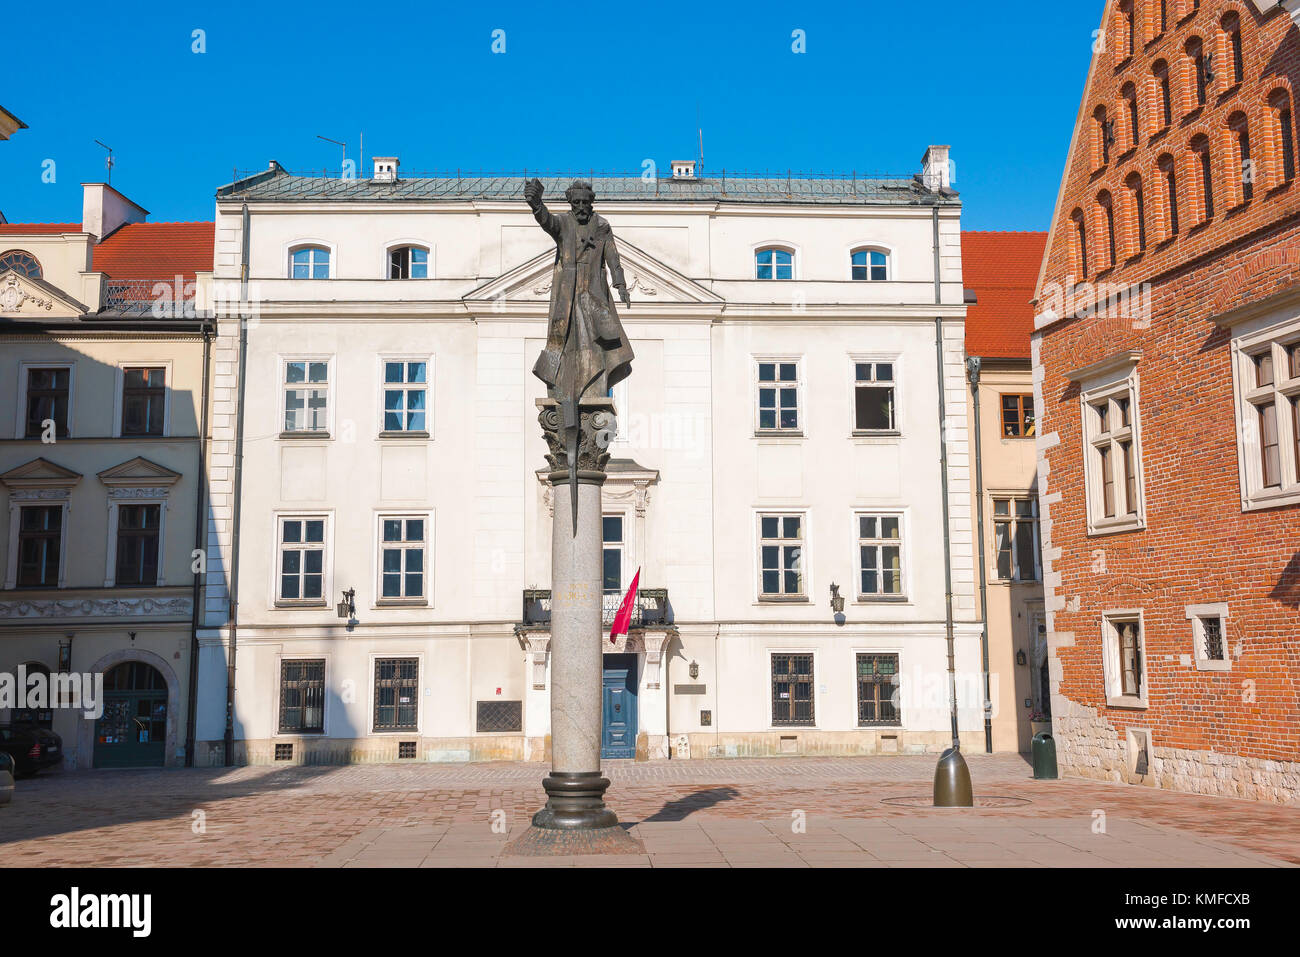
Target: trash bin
[[1044, 757], [6, 778]]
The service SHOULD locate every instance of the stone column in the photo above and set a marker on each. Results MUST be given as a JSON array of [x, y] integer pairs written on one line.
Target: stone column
[[575, 786]]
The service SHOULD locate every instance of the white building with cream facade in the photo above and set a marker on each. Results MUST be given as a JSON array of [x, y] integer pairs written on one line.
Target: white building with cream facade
[[779, 434]]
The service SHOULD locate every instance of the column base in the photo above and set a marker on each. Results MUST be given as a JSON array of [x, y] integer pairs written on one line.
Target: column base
[[576, 802]]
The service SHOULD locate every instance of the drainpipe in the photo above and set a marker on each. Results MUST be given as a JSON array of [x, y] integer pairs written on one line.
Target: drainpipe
[[943, 489], [229, 739], [973, 373], [191, 710]]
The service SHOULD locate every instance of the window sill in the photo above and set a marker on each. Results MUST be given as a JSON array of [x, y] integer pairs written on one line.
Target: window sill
[[401, 603], [792, 727], [1129, 702], [297, 735], [881, 725], [304, 434], [888, 434], [783, 599], [1258, 501], [778, 433], [1111, 526], [881, 600], [403, 435], [1203, 664], [282, 603], [401, 732]]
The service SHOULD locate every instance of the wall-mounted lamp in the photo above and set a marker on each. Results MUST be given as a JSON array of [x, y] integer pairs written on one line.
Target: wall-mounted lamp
[[695, 669], [347, 608], [1020, 657], [65, 655], [837, 600]]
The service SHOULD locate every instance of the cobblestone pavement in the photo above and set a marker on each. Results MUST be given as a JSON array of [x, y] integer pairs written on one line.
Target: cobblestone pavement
[[851, 811]]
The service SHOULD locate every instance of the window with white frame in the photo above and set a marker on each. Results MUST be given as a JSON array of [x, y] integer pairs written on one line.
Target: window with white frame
[[873, 397], [40, 544], [773, 263], [778, 395], [301, 546], [306, 395], [406, 395], [1124, 659], [408, 262], [880, 555], [780, 553], [403, 550], [1268, 373], [1112, 457], [48, 400], [138, 545], [612, 547], [144, 400], [869, 265], [309, 262], [1210, 637], [1015, 538]]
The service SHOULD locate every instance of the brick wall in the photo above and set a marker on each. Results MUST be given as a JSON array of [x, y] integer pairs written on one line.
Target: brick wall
[[1233, 732]]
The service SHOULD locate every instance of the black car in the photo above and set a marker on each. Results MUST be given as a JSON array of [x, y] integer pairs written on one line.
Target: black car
[[32, 748]]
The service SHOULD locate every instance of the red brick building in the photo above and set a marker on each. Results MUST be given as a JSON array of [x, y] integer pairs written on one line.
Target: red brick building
[[1167, 359]]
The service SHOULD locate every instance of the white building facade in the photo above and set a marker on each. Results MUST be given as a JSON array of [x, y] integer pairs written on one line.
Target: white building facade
[[779, 435]]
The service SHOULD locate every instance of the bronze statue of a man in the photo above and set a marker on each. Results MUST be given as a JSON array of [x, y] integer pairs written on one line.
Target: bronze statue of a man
[[586, 351]]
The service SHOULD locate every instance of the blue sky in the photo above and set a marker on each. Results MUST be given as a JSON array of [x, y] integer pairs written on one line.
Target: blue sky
[[878, 82]]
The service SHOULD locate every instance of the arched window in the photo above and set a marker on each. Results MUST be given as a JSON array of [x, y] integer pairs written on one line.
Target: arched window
[[1245, 166], [1200, 74], [21, 262], [1232, 31], [1164, 16], [408, 262], [1137, 203], [1128, 26], [1284, 134], [1200, 147], [309, 262], [870, 264], [1080, 243], [1106, 208], [1103, 137], [1169, 173], [1131, 102], [773, 262], [1160, 71]]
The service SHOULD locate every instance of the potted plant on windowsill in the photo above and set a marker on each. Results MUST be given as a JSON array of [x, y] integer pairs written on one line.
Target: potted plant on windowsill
[[1038, 721]]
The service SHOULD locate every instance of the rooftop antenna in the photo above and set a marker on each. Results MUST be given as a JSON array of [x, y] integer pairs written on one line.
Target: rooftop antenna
[[337, 143], [108, 161], [699, 129]]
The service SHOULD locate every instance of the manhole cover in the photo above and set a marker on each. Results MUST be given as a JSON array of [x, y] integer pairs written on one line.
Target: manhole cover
[[928, 801]]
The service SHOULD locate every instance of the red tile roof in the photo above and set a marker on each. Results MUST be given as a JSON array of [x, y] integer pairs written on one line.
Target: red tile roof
[[155, 251], [1002, 269], [139, 250]]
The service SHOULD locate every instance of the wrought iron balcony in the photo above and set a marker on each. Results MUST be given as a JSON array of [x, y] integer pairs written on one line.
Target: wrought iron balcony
[[652, 609], [161, 298]]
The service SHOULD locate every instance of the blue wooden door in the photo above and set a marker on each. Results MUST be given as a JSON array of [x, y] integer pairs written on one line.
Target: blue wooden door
[[618, 724]]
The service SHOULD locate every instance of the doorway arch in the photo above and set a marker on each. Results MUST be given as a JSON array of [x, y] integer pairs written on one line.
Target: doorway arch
[[140, 707]]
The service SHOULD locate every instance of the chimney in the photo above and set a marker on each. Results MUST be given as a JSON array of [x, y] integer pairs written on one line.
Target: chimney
[[683, 169], [104, 209], [936, 171], [385, 169]]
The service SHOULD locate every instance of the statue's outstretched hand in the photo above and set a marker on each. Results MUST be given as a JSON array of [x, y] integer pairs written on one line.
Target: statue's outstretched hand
[[533, 190], [625, 296]]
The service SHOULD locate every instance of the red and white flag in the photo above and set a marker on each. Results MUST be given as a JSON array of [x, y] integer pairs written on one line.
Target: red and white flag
[[623, 620]]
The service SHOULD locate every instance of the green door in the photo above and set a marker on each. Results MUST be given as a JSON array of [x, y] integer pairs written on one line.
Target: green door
[[132, 732]]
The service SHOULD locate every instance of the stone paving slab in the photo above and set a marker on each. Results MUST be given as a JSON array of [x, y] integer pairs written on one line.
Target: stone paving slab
[[800, 812]]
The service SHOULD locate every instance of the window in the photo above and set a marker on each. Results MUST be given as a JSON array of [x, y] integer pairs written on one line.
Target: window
[[302, 696], [408, 262], [1285, 133], [1210, 649], [1169, 174], [1111, 451], [1268, 370], [405, 396], [870, 264], [1107, 210], [396, 694], [873, 397], [144, 401], [1080, 243], [1017, 416], [1015, 538], [48, 391], [309, 262], [1164, 15], [1124, 659], [1129, 26], [778, 396], [1200, 70], [1232, 29], [137, 545], [21, 262], [1137, 201], [1240, 128], [1134, 126], [1160, 72], [880, 556], [780, 550], [878, 690], [1104, 137], [792, 690], [612, 554], [774, 263], [1201, 147], [302, 560], [401, 558], [40, 540], [306, 396]]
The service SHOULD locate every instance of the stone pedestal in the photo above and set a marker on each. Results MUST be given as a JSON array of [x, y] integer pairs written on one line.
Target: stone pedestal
[[577, 460]]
